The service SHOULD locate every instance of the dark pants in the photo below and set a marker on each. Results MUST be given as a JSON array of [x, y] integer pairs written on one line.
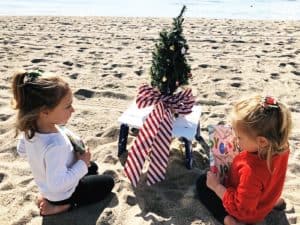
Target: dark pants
[[90, 189], [209, 198]]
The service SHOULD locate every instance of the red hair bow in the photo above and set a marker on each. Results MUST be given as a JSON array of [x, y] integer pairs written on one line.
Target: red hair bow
[[270, 102]]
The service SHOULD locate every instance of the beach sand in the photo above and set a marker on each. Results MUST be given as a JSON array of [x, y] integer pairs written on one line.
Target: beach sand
[[105, 60]]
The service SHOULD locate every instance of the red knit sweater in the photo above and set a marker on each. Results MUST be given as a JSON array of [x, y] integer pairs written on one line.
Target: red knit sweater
[[251, 190]]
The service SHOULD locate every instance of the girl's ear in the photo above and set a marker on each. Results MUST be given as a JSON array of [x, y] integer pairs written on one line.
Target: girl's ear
[[44, 112], [262, 141]]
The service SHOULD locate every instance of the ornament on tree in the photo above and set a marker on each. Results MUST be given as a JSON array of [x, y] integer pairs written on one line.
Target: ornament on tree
[[169, 68], [183, 50]]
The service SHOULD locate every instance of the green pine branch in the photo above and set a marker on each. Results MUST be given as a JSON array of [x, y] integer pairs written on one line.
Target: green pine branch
[[169, 68]]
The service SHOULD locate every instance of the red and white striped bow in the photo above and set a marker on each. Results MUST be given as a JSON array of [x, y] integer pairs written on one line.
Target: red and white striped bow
[[154, 137]]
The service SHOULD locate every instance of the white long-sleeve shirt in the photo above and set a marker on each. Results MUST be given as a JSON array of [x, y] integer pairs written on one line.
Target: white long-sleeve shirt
[[53, 164]]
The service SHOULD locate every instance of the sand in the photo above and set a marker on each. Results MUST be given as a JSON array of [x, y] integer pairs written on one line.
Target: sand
[[105, 60]]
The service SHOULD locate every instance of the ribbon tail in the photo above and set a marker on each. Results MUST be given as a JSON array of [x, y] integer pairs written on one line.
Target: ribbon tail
[[142, 146], [160, 149]]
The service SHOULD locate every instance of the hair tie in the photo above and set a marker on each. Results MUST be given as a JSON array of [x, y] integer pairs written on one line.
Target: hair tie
[[270, 102], [32, 75]]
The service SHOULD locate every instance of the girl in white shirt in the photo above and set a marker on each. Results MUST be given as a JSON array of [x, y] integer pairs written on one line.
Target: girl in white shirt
[[64, 178]]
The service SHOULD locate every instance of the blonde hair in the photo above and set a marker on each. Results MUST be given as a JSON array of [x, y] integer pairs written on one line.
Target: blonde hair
[[32, 93], [272, 121]]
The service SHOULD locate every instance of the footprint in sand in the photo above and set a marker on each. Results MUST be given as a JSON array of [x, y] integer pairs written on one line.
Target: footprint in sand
[[223, 67], [217, 115], [295, 168], [217, 79], [238, 41], [38, 60], [114, 65], [295, 106], [110, 159], [82, 94], [118, 75], [112, 86], [275, 76], [82, 49], [235, 71], [204, 66], [208, 40], [4, 130], [2, 176], [7, 185], [25, 181], [4, 117], [47, 54], [221, 93], [74, 76], [282, 65], [237, 85], [297, 73], [287, 56], [111, 132], [78, 65], [293, 64], [111, 94], [131, 86], [236, 78], [209, 103], [108, 216], [4, 87], [68, 63], [139, 72]]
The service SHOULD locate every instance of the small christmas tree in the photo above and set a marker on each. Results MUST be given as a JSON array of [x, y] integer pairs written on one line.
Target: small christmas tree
[[169, 68]]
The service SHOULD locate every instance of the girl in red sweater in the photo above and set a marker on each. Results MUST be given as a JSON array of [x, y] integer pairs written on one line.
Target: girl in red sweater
[[255, 181]]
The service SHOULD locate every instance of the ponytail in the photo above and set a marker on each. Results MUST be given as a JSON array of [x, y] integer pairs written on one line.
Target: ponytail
[[18, 89]]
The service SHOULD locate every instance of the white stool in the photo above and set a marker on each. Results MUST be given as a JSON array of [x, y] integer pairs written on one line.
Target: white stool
[[186, 128]]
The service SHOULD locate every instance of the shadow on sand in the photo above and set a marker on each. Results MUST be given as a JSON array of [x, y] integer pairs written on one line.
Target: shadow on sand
[[86, 215]]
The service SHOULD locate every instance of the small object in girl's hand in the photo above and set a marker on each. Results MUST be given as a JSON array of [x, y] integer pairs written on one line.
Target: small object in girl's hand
[[75, 140], [78, 144]]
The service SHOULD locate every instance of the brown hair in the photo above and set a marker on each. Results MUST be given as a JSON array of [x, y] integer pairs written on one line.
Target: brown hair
[[270, 120], [33, 92]]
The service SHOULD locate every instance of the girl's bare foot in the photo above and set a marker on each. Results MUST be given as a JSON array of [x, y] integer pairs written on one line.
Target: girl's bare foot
[[46, 208], [229, 220]]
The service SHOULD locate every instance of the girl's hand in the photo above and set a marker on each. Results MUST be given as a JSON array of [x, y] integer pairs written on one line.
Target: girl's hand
[[212, 180], [86, 157]]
